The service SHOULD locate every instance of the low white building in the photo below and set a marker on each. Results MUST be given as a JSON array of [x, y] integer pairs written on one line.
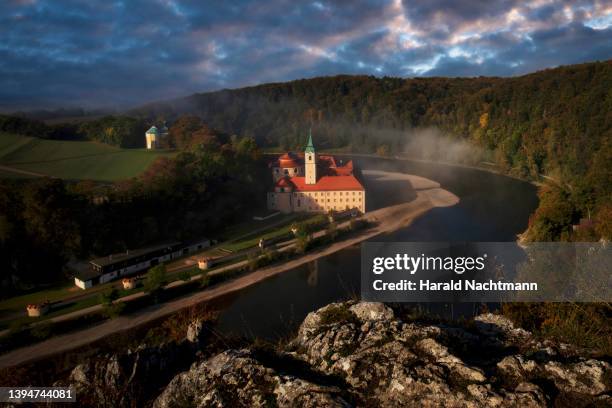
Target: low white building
[[115, 266]]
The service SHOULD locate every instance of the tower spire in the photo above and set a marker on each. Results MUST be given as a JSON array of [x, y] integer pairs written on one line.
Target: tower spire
[[310, 158], [309, 147]]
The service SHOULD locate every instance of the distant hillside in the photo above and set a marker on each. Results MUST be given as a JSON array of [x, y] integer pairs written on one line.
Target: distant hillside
[[556, 122], [551, 121]]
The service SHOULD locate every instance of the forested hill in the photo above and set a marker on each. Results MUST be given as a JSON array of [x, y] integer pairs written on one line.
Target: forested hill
[[550, 122], [556, 122]]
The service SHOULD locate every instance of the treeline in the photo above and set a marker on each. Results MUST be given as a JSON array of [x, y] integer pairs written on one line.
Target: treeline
[[120, 131], [556, 122], [46, 222]]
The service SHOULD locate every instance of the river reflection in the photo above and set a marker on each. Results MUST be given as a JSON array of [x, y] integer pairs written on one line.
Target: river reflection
[[492, 208]]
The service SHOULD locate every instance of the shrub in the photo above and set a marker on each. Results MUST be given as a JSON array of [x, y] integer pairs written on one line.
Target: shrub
[[155, 280], [185, 276], [336, 314], [108, 296], [204, 280], [332, 231], [584, 325], [113, 310], [42, 330]]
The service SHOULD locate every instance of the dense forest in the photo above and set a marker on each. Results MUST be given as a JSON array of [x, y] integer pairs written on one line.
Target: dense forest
[[556, 123], [120, 131], [44, 223]]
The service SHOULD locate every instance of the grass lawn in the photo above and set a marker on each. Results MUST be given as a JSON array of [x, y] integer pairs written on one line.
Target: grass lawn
[[51, 294], [238, 231], [271, 228], [24, 319], [253, 239], [74, 159], [6, 174]]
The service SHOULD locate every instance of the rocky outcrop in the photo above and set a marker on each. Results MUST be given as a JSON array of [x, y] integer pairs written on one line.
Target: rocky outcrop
[[361, 354], [353, 354], [134, 377], [238, 378], [119, 380]]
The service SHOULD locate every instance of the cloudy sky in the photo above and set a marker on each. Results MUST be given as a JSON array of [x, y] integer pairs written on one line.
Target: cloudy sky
[[121, 53]]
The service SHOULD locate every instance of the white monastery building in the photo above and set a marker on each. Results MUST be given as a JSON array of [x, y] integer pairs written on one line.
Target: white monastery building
[[314, 183]]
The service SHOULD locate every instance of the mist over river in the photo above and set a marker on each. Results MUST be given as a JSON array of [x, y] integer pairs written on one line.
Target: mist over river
[[492, 208]]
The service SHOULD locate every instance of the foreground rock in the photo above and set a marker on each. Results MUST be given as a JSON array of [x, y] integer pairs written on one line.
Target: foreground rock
[[360, 354], [238, 378]]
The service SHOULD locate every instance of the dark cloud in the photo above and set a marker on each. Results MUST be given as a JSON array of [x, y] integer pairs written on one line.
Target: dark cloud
[[121, 53]]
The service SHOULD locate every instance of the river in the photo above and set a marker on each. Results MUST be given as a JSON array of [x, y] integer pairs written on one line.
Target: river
[[492, 208]]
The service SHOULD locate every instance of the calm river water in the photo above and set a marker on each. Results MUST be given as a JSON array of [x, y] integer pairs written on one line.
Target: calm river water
[[492, 208]]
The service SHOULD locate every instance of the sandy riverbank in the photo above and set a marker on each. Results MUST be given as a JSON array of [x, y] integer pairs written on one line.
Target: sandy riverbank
[[428, 195]]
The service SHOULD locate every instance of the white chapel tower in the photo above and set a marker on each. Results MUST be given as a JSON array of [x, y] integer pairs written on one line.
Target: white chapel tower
[[310, 161]]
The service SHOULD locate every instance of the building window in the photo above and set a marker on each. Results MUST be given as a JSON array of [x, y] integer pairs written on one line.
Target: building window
[[286, 172], [299, 203]]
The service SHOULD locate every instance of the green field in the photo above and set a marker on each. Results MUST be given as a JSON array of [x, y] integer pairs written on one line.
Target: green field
[[74, 160]]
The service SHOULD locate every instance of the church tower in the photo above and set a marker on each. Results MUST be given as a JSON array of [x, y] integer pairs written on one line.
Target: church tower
[[310, 161]]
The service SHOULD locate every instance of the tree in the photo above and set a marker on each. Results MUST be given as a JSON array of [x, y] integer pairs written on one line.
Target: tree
[[185, 276], [383, 150], [155, 280], [109, 295], [181, 132], [553, 218], [603, 224], [204, 279], [111, 308], [332, 230], [303, 233]]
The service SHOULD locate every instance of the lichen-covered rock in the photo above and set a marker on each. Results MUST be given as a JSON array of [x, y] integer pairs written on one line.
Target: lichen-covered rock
[[371, 311], [194, 330], [235, 378], [119, 380], [494, 325], [388, 362], [362, 354], [584, 377]]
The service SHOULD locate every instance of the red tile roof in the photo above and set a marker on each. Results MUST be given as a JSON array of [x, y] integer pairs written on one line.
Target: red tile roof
[[289, 160], [285, 182], [328, 183]]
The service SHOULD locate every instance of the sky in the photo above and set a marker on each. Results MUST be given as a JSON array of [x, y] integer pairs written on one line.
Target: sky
[[117, 54]]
